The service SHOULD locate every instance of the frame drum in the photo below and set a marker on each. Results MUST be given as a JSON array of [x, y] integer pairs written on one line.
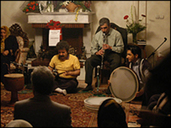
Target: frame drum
[[94, 103], [124, 83]]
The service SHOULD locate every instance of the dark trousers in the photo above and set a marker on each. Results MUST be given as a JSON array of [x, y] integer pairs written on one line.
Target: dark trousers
[[70, 84], [113, 58]]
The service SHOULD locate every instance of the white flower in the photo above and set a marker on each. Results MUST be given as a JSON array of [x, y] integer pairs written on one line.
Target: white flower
[[43, 3], [66, 3]]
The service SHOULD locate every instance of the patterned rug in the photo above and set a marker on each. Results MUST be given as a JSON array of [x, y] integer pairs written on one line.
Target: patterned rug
[[81, 116]]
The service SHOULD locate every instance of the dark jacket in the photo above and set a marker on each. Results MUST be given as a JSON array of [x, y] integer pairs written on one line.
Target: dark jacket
[[11, 45], [144, 65], [41, 111]]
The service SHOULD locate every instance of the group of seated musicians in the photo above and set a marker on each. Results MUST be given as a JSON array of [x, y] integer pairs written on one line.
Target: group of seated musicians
[[107, 44]]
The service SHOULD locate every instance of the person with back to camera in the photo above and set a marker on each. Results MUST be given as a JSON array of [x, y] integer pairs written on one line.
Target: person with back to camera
[[140, 66], [111, 114], [68, 68], [108, 43], [41, 111]]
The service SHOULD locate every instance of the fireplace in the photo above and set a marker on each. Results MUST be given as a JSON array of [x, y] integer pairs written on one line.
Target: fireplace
[[76, 33]]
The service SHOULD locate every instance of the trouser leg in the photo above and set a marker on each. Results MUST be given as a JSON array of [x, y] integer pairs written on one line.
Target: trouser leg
[[114, 59], [70, 85], [90, 63]]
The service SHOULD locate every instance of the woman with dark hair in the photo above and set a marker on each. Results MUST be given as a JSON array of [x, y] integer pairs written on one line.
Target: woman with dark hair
[[9, 47], [21, 36], [111, 114]]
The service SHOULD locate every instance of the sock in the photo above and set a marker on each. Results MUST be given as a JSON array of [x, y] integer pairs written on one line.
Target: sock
[[63, 91], [59, 90]]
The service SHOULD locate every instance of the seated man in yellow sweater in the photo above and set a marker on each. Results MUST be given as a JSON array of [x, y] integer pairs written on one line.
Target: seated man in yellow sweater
[[67, 67]]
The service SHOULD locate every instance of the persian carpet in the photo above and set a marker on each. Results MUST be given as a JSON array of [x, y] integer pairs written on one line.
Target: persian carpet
[[81, 116]]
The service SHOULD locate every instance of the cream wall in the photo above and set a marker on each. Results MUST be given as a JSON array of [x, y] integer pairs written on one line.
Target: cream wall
[[157, 28], [11, 13]]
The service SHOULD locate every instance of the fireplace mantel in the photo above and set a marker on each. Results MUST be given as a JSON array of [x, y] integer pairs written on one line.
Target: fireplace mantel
[[63, 17], [84, 21]]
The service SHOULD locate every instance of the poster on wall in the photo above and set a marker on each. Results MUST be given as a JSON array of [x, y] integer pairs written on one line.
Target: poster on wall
[[54, 37]]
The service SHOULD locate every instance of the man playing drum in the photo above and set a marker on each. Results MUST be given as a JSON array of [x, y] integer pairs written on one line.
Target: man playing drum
[[68, 68], [139, 65]]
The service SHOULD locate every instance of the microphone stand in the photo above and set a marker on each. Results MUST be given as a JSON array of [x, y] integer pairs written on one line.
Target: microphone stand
[[152, 54]]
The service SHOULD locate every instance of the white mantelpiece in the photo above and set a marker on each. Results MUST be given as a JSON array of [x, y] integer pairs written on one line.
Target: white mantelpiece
[[64, 18]]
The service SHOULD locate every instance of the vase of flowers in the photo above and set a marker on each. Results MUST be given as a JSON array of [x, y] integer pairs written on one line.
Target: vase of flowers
[[134, 26], [31, 6]]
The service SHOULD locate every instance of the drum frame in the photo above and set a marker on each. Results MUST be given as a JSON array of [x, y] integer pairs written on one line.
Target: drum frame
[[136, 80]]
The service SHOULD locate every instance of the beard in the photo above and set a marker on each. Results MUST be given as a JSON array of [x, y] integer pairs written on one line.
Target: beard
[[61, 57]]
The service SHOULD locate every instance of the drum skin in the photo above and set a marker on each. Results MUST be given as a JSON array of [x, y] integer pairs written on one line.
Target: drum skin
[[93, 103], [124, 83], [14, 82]]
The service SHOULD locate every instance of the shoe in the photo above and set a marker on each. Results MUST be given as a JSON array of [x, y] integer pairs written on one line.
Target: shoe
[[89, 87]]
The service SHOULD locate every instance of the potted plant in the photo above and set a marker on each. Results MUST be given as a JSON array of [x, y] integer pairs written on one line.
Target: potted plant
[[31, 6], [134, 26]]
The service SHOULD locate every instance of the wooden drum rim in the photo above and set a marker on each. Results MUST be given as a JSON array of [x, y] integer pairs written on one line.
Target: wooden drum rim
[[14, 75], [112, 85]]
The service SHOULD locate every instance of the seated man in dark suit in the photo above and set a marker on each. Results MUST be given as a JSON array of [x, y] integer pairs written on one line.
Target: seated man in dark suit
[[40, 111]]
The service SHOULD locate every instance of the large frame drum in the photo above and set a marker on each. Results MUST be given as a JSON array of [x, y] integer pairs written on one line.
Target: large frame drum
[[93, 103], [124, 83], [14, 82]]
